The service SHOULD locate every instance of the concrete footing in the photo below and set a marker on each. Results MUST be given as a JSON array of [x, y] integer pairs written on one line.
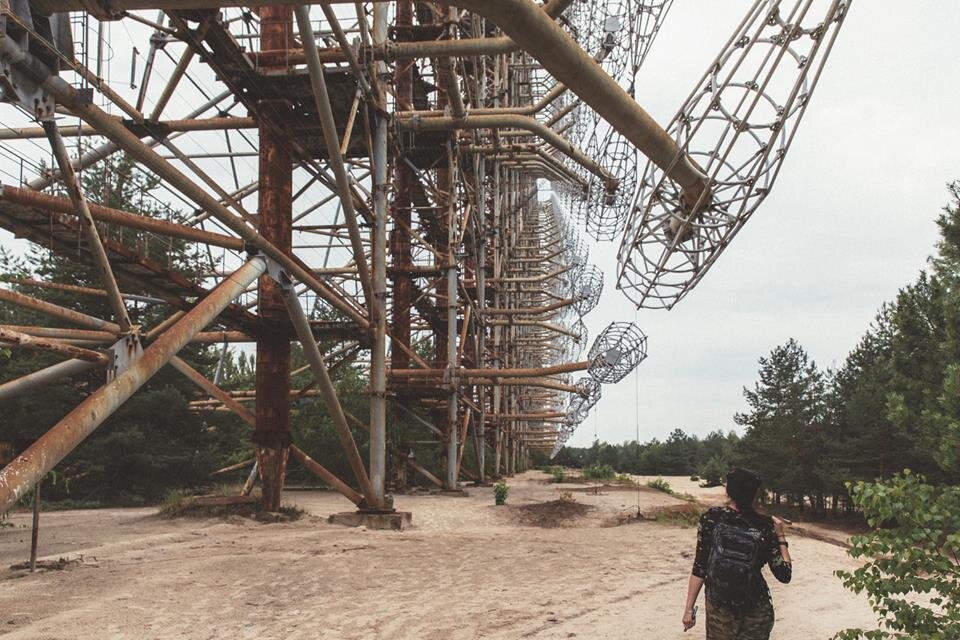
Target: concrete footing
[[389, 520], [452, 493]]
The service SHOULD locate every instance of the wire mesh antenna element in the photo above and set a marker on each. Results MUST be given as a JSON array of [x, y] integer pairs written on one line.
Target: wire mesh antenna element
[[738, 124], [587, 396], [586, 289], [606, 213], [616, 352]]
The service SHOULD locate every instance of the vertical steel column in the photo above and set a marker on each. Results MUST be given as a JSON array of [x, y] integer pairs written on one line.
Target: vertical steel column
[[378, 305], [401, 211], [481, 276], [452, 301], [480, 270], [498, 275], [272, 432]]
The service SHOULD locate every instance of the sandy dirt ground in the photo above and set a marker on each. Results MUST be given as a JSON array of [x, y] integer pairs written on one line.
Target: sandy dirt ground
[[468, 569]]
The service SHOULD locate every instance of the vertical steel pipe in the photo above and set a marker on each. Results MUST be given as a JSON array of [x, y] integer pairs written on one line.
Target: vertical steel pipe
[[378, 303], [271, 434]]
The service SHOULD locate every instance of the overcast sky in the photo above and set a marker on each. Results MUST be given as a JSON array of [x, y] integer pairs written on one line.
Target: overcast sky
[[850, 220]]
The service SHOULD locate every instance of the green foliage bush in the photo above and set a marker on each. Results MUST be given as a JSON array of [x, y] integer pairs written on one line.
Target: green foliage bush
[[500, 491], [660, 485], [559, 473], [600, 472], [911, 572]]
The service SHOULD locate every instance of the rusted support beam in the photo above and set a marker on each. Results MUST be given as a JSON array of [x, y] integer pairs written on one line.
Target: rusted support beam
[[90, 234], [26, 470], [56, 311], [24, 384], [377, 498], [312, 353], [25, 341], [327, 476], [234, 467], [107, 126], [426, 474], [213, 390], [334, 157], [271, 433], [52, 204], [172, 126], [63, 334], [568, 367], [396, 51], [543, 415], [72, 288], [530, 310], [528, 123]]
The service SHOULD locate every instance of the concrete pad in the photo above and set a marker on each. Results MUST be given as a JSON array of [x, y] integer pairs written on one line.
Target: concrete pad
[[388, 520]]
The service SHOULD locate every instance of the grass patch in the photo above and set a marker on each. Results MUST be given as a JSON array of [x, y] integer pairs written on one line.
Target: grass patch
[[598, 472], [684, 515], [659, 484], [558, 473]]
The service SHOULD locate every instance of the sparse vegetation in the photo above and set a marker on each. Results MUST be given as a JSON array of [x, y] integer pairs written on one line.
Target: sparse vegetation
[[685, 515], [178, 504], [599, 472], [500, 491], [559, 473], [659, 484]]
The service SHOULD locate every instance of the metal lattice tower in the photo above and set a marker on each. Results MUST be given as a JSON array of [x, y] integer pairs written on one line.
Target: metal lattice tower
[[397, 186]]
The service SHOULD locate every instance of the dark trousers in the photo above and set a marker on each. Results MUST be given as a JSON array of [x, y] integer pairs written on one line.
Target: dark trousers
[[755, 624]]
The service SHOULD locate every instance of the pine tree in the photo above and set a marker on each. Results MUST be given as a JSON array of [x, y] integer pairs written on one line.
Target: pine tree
[[784, 440]]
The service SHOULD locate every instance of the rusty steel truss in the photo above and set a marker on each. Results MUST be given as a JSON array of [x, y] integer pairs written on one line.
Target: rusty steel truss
[[419, 171]]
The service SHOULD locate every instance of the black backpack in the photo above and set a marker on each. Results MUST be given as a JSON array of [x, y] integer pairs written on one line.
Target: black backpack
[[734, 565]]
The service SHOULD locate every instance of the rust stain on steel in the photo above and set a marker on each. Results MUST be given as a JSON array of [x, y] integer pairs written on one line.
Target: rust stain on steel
[[272, 429], [22, 474], [52, 204]]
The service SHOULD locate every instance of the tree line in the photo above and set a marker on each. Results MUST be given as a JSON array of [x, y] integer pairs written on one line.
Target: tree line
[[893, 404]]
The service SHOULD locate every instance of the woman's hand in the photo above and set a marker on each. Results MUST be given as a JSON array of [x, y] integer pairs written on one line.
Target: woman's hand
[[779, 526], [689, 619]]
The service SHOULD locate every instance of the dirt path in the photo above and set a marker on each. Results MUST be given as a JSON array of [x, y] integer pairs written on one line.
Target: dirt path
[[467, 570]]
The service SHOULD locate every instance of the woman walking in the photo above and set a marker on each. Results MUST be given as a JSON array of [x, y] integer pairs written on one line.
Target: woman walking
[[733, 544]]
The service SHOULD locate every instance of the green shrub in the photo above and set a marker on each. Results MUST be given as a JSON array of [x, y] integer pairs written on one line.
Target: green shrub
[[660, 485], [910, 569], [559, 474], [713, 471], [599, 471], [686, 515], [500, 491]]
